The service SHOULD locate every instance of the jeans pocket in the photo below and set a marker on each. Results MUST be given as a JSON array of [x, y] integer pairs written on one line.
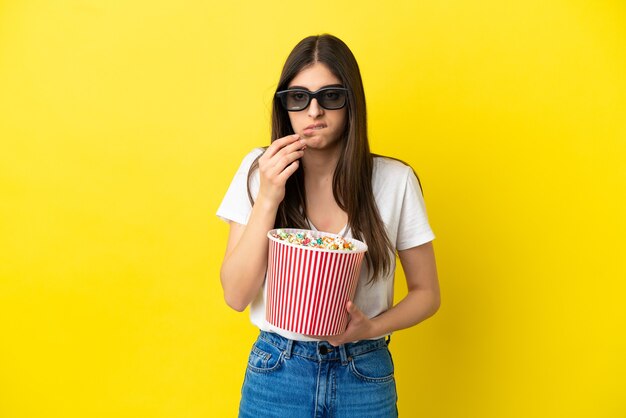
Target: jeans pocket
[[264, 357], [375, 366]]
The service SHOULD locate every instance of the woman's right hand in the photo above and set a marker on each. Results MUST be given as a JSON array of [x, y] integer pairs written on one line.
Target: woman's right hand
[[276, 165], [245, 262]]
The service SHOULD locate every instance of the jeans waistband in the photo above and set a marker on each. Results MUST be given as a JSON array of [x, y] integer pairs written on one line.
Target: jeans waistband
[[322, 350]]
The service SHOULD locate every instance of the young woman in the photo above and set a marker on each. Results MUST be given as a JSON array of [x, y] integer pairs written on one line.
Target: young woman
[[318, 173]]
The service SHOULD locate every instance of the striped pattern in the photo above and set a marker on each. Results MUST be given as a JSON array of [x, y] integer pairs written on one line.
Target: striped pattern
[[307, 289]]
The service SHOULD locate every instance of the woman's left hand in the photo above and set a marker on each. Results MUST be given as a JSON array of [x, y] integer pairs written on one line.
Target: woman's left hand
[[359, 327]]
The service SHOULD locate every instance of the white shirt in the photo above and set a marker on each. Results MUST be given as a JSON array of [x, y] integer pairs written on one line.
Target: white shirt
[[401, 206]]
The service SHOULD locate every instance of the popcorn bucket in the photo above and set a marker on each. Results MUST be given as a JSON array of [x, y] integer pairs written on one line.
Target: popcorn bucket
[[307, 288]]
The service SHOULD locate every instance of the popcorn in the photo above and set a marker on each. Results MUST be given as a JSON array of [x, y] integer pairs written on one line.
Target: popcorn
[[325, 242]]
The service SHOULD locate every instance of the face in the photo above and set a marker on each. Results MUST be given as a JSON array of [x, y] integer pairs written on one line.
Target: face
[[321, 128]]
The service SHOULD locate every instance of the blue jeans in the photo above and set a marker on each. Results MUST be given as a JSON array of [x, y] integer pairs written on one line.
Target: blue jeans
[[287, 378]]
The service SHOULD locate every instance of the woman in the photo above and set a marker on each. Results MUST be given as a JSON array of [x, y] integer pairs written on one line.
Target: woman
[[318, 173]]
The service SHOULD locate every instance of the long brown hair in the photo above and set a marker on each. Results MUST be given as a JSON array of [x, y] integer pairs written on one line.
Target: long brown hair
[[352, 179]]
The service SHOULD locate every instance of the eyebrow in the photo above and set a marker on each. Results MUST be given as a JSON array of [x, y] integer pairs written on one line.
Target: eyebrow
[[323, 87]]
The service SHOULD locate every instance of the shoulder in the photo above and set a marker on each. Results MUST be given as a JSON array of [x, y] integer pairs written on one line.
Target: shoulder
[[253, 155], [393, 176], [250, 158], [387, 166]]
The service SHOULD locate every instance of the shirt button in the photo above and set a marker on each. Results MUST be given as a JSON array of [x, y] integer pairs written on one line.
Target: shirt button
[[323, 350]]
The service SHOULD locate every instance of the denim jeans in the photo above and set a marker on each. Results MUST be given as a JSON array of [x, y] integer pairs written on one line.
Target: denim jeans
[[287, 378]]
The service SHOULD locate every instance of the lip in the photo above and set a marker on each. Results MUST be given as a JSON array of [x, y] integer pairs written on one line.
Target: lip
[[313, 129], [316, 125]]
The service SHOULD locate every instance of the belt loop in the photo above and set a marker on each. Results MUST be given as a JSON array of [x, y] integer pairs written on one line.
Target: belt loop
[[343, 354], [289, 348]]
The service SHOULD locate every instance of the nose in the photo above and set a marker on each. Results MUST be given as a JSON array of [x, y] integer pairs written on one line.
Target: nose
[[315, 109]]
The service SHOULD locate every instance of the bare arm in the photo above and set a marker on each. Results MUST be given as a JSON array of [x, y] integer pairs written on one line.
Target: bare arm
[[245, 261], [421, 301], [423, 298]]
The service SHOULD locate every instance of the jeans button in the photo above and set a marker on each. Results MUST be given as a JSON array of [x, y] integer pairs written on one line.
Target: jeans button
[[323, 350]]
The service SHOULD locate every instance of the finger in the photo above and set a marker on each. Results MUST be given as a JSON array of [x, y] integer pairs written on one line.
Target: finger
[[334, 342], [296, 146], [288, 171], [278, 144], [275, 164], [353, 310], [279, 162], [351, 307]]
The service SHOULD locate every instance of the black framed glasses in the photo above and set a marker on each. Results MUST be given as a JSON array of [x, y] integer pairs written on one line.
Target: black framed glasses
[[330, 98]]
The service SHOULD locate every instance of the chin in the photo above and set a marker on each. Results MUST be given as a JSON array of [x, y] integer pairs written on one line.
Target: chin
[[318, 143], [314, 139]]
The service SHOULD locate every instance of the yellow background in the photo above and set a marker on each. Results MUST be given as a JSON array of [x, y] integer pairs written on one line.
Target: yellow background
[[122, 123]]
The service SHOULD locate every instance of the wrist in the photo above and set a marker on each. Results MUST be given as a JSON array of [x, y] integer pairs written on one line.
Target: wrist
[[266, 205], [377, 328]]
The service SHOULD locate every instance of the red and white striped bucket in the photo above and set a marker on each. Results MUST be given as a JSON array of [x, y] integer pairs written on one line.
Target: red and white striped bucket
[[307, 288]]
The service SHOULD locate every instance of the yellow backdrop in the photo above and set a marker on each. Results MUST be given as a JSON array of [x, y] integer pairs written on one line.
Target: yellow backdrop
[[122, 123]]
